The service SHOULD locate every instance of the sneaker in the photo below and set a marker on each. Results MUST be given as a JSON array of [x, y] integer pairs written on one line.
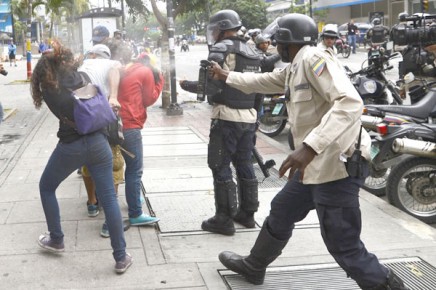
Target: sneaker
[[105, 231], [123, 265], [143, 219], [141, 199], [45, 242], [93, 209]]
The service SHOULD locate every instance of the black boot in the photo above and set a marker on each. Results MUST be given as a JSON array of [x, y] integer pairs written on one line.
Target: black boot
[[225, 204], [245, 218], [265, 250], [249, 202], [393, 282]]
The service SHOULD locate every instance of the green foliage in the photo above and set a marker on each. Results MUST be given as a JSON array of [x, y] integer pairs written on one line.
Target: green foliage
[[136, 9], [252, 12], [318, 15], [135, 29], [188, 22]]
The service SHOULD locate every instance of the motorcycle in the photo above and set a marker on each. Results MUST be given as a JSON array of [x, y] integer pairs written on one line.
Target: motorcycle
[[376, 51], [273, 115], [383, 158], [423, 112], [343, 47], [372, 84], [411, 185]]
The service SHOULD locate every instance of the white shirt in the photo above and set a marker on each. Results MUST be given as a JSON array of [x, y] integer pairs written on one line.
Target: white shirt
[[97, 69]]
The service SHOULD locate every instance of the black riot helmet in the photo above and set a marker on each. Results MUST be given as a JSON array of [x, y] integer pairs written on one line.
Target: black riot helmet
[[402, 16], [293, 28], [221, 21], [376, 21], [261, 38]]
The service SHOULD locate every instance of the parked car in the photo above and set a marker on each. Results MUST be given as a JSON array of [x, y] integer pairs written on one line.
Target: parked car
[[362, 28]]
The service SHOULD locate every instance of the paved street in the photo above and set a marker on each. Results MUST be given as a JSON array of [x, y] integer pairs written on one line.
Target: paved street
[[175, 254]]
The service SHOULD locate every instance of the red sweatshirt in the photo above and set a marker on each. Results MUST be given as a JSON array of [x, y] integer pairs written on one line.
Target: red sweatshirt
[[137, 91]]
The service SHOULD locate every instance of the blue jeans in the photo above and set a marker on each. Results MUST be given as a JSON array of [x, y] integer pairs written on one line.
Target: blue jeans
[[93, 151], [352, 41], [133, 172]]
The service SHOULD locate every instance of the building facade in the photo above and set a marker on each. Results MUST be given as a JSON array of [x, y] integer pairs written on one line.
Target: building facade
[[341, 11]]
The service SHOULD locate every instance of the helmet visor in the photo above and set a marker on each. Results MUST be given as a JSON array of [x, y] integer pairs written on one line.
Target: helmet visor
[[271, 29], [212, 33]]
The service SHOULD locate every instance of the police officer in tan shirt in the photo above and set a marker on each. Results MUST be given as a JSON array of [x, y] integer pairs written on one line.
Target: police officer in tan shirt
[[326, 170]]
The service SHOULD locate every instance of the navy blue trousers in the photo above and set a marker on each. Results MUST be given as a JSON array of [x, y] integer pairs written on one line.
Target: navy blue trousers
[[337, 207], [231, 142]]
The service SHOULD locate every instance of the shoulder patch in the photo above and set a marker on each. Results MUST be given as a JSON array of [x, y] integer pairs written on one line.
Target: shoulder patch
[[318, 66]]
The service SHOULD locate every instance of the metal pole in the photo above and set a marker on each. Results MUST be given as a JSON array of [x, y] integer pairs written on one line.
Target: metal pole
[[174, 108], [123, 20], [29, 41], [310, 7]]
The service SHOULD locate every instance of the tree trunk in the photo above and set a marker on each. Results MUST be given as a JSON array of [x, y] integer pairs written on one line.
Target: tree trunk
[[164, 56], [165, 63]]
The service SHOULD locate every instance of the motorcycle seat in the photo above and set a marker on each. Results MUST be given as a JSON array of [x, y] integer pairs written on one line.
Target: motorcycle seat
[[421, 110]]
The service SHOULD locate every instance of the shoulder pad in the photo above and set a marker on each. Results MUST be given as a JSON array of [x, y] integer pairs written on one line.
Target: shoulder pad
[[249, 51], [227, 41], [219, 47]]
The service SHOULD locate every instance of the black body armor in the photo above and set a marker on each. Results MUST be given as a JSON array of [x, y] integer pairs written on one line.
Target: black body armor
[[247, 60], [378, 34]]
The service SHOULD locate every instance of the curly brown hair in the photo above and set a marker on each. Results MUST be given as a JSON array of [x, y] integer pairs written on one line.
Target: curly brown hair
[[50, 66]]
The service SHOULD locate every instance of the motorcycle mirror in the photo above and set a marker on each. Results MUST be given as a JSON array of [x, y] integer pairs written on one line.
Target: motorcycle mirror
[[409, 77]]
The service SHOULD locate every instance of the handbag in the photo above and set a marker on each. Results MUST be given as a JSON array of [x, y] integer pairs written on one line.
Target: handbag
[[115, 134], [92, 111]]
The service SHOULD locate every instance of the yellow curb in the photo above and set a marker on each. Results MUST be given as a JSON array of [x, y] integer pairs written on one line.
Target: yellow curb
[[8, 113], [17, 82]]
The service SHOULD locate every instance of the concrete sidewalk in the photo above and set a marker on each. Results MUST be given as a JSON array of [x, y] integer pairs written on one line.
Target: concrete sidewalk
[[176, 254]]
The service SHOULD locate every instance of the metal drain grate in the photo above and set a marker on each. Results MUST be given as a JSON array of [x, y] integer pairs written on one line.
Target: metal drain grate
[[271, 182], [415, 272]]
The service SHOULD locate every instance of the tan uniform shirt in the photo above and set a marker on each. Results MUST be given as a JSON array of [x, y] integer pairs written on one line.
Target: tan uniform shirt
[[332, 50], [223, 112], [324, 110]]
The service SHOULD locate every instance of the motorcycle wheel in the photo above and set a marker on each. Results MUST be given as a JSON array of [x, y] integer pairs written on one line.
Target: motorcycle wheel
[[346, 52], [411, 187], [271, 129], [375, 183]]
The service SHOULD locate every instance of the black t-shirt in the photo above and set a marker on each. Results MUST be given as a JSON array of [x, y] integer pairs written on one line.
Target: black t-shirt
[[352, 29], [61, 104]]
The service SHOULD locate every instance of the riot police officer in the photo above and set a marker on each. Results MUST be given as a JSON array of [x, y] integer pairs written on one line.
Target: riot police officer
[[326, 170], [253, 33], [233, 127], [378, 33]]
